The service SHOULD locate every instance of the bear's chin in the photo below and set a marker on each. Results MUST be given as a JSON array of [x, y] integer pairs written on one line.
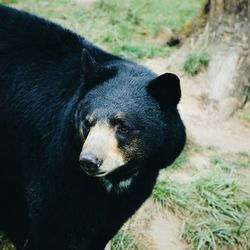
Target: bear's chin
[[117, 181], [122, 173]]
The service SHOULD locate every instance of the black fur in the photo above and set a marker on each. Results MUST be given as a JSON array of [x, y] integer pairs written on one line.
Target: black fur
[[50, 79]]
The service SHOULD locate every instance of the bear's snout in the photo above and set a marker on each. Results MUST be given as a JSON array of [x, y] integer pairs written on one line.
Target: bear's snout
[[89, 163]]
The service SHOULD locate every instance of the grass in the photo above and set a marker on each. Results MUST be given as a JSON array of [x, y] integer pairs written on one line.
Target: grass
[[229, 161], [195, 62], [132, 29], [214, 207], [132, 234], [4, 243], [244, 113], [129, 238], [124, 240]]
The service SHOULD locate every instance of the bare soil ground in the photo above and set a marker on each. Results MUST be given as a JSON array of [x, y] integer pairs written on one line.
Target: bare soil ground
[[203, 125], [166, 232]]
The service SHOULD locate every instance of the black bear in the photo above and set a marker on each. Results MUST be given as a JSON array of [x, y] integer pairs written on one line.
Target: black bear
[[83, 135]]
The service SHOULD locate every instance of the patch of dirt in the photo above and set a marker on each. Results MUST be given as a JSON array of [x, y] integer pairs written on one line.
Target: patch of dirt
[[203, 125], [244, 175], [157, 229], [166, 232], [200, 161], [180, 176]]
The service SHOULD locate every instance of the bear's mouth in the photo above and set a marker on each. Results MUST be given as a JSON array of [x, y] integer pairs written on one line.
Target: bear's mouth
[[96, 173], [102, 173], [99, 172]]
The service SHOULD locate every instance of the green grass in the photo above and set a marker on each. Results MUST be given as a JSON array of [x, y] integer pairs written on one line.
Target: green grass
[[231, 161], [244, 113], [4, 243], [132, 235], [8, 1], [195, 63], [214, 207], [131, 28], [124, 240]]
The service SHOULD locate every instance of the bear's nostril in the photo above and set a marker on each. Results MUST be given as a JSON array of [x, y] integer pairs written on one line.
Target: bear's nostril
[[90, 162]]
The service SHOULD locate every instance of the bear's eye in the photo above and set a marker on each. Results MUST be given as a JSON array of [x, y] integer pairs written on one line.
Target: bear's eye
[[86, 124], [122, 129]]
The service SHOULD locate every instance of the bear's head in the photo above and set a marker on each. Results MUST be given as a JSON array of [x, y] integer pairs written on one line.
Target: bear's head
[[129, 121]]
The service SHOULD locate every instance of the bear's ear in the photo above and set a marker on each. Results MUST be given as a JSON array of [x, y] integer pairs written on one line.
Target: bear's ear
[[165, 89], [93, 72]]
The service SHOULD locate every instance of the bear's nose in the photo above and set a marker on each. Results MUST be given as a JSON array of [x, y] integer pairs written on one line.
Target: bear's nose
[[90, 162]]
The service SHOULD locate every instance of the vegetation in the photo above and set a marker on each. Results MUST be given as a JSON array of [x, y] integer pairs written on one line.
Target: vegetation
[[133, 29], [8, 1], [213, 207], [244, 113], [124, 240], [4, 244], [195, 63]]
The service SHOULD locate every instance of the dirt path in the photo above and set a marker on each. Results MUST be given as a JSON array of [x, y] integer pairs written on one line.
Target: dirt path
[[203, 126], [166, 232]]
